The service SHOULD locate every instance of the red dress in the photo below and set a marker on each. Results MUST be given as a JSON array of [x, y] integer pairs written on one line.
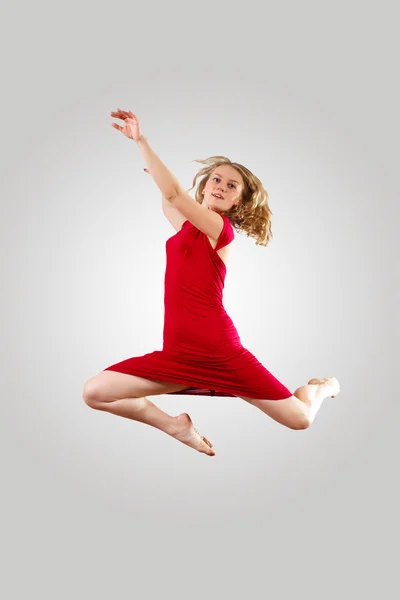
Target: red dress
[[201, 346]]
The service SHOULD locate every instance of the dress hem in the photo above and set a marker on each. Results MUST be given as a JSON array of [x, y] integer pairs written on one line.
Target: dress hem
[[194, 388]]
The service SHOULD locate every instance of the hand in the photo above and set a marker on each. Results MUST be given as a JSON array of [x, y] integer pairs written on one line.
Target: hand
[[131, 128]]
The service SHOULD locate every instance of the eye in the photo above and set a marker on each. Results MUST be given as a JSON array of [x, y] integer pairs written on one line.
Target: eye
[[229, 184]]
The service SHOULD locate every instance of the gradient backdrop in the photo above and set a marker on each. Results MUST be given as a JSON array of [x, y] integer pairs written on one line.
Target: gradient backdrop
[[306, 96]]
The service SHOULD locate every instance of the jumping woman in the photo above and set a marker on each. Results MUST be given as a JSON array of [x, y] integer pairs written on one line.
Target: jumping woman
[[202, 353]]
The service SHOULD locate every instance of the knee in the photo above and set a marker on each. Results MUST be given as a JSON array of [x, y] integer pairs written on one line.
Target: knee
[[91, 394], [300, 423]]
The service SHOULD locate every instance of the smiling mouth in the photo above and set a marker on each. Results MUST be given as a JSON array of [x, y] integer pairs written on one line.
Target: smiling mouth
[[217, 197]]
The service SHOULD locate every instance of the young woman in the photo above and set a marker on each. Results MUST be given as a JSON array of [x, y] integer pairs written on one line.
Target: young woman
[[202, 352]]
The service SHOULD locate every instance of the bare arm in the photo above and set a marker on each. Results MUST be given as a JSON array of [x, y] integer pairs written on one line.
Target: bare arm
[[208, 221], [177, 204], [166, 181], [173, 215]]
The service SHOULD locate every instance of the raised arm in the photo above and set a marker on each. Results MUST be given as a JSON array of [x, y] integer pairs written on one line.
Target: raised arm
[[166, 181], [207, 221], [173, 215]]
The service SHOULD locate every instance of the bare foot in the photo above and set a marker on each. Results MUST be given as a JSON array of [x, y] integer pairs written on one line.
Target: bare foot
[[331, 384], [188, 434]]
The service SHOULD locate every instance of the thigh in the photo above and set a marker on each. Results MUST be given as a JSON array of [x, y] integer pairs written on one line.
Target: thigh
[[288, 411], [108, 386]]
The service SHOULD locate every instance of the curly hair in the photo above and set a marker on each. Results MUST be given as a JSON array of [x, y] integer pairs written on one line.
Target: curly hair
[[252, 215]]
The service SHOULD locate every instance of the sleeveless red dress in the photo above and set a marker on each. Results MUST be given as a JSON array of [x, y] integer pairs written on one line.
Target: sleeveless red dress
[[201, 346]]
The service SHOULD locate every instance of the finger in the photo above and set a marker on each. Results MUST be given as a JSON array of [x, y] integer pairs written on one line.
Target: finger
[[116, 126], [119, 116], [123, 114]]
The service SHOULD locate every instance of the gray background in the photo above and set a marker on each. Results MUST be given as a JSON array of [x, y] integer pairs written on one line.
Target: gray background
[[306, 96]]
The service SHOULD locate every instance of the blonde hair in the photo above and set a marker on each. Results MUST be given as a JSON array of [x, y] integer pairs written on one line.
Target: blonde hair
[[252, 215]]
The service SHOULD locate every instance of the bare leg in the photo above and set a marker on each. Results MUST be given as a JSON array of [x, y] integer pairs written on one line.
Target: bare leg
[[314, 393], [143, 410], [298, 411]]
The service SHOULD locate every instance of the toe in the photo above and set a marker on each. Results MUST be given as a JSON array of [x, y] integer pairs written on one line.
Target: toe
[[208, 446], [205, 441]]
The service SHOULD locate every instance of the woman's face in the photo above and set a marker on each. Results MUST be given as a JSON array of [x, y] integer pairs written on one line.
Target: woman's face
[[226, 182]]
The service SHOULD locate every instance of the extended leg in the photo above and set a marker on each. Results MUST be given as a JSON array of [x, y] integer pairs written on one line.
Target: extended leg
[[104, 391], [298, 411]]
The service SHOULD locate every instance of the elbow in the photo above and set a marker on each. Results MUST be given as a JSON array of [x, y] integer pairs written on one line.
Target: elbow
[[174, 192], [171, 196]]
